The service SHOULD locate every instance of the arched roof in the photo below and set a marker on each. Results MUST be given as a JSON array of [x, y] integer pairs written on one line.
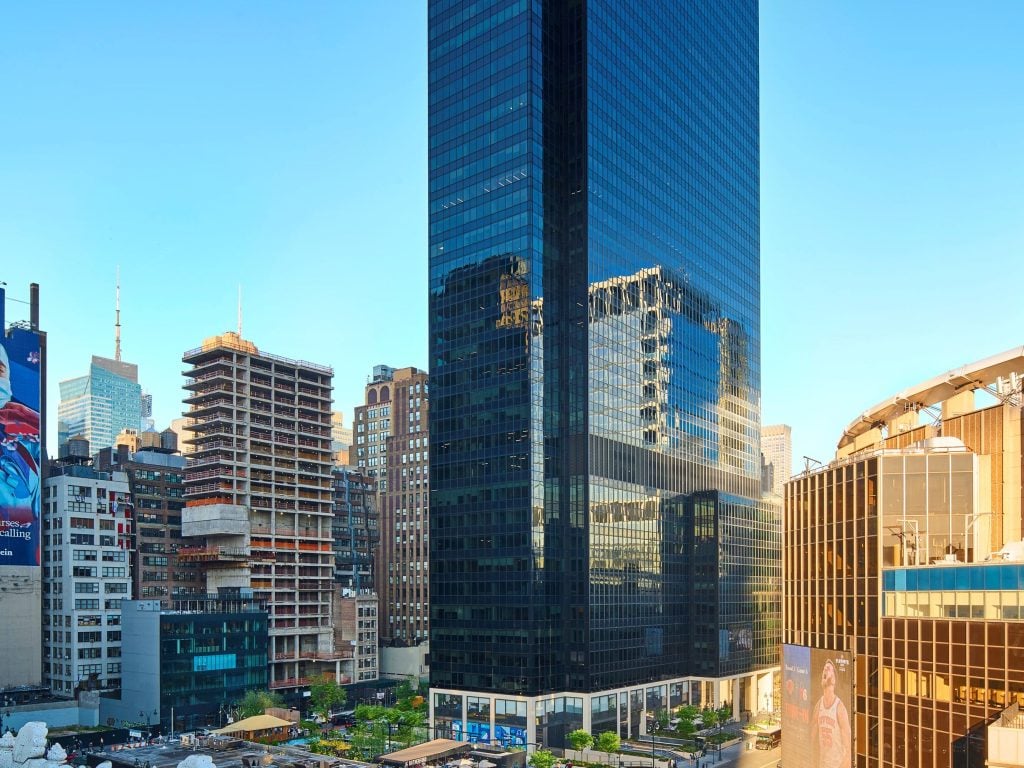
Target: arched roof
[[980, 374]]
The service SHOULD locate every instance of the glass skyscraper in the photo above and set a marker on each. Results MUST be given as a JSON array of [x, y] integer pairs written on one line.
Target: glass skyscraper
[[99, 405], [599, 550]]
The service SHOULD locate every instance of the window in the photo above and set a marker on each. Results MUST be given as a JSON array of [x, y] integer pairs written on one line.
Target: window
[[86, 587], [84, 554], [87, 604], [121, 588]]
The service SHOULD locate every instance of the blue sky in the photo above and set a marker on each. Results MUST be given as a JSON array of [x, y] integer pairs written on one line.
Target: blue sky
[[282, 147]]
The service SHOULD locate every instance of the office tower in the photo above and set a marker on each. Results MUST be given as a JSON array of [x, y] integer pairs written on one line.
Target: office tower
[[156, 480], [355, 529], [100, 404], [22, 457], [904, 580], [777, 447], [185, 664], [391, 442], [598, 550], [258, 494], [87, 525]]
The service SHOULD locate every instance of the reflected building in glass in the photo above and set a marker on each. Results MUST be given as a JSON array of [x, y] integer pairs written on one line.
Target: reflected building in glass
[[599, 549]]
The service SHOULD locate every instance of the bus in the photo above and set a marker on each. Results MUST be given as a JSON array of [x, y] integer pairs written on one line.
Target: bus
[[769, 738]]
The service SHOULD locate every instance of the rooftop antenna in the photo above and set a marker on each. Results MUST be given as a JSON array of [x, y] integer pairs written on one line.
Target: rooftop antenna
[[117, 317], [239, 310]]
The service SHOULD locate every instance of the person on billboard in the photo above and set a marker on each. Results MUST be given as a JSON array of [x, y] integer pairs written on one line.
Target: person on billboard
[[19, 460], [830, 724]]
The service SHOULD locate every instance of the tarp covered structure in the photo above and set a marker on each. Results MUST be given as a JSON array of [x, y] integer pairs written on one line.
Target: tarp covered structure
[[431, 752], [255, 724]]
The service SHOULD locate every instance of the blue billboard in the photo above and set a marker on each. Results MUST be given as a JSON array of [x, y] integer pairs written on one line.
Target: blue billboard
[[19, 447]]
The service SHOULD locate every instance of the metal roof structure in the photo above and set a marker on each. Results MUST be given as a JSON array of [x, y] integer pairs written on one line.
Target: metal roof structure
[[983, 374]]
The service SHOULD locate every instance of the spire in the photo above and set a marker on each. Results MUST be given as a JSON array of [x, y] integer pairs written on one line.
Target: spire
[[239, 310], [117, 317]]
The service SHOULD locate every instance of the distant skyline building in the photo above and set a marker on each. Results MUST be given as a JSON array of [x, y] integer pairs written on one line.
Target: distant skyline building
[[599, 551], [100, 404], [259, 501], [904, 580], [390, 434], [777, 447]]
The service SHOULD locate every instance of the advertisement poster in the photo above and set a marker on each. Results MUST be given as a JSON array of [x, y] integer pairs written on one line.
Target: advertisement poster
[[817, 724], [19, 448]]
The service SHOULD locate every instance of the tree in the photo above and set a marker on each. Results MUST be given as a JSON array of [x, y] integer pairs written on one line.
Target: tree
[[608, 741], [724, 713], [257, 702], [662, 719], [688, 712], [542, 759], [325, 695], [709, 717], [411, 727], [686, 728], [405, 690], [368, 712], [580, 740]]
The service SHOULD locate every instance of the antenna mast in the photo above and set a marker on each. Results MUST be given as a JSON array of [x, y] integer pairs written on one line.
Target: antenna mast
[[239, 310], [117, 317]]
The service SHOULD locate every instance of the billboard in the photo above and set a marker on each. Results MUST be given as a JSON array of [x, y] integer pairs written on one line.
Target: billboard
[[817, 696], [19, 448]]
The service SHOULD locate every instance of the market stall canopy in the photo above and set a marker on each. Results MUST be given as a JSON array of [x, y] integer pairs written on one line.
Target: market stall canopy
[[256, 723]]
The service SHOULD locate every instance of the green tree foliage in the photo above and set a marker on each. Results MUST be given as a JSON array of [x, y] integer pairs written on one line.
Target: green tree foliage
[[662, 719], [405, 690], [710, 717], [688, 712], [580, 740], [325, 695], [410, 727], [542, 759], [686, 728], [257, 702], [609, 741], [724, 713]]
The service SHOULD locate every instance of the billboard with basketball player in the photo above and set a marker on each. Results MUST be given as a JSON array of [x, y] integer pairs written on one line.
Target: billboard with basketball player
[[817, 696]]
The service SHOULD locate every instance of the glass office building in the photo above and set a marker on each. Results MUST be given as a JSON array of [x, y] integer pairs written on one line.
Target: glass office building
[[599, 550], [99, 405]]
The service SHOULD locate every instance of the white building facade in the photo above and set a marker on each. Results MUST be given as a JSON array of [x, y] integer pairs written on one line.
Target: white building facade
[[87, 524]]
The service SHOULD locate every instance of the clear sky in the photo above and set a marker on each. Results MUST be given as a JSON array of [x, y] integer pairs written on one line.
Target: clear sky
[[282, 147]]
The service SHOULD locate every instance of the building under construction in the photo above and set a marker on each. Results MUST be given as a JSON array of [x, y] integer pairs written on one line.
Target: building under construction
[[259, 498]]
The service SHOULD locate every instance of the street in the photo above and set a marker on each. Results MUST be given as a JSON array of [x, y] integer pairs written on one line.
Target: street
[[738, 756]]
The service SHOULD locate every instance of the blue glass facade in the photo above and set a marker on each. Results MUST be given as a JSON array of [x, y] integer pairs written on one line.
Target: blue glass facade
[[595, 346], [100, 405]]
